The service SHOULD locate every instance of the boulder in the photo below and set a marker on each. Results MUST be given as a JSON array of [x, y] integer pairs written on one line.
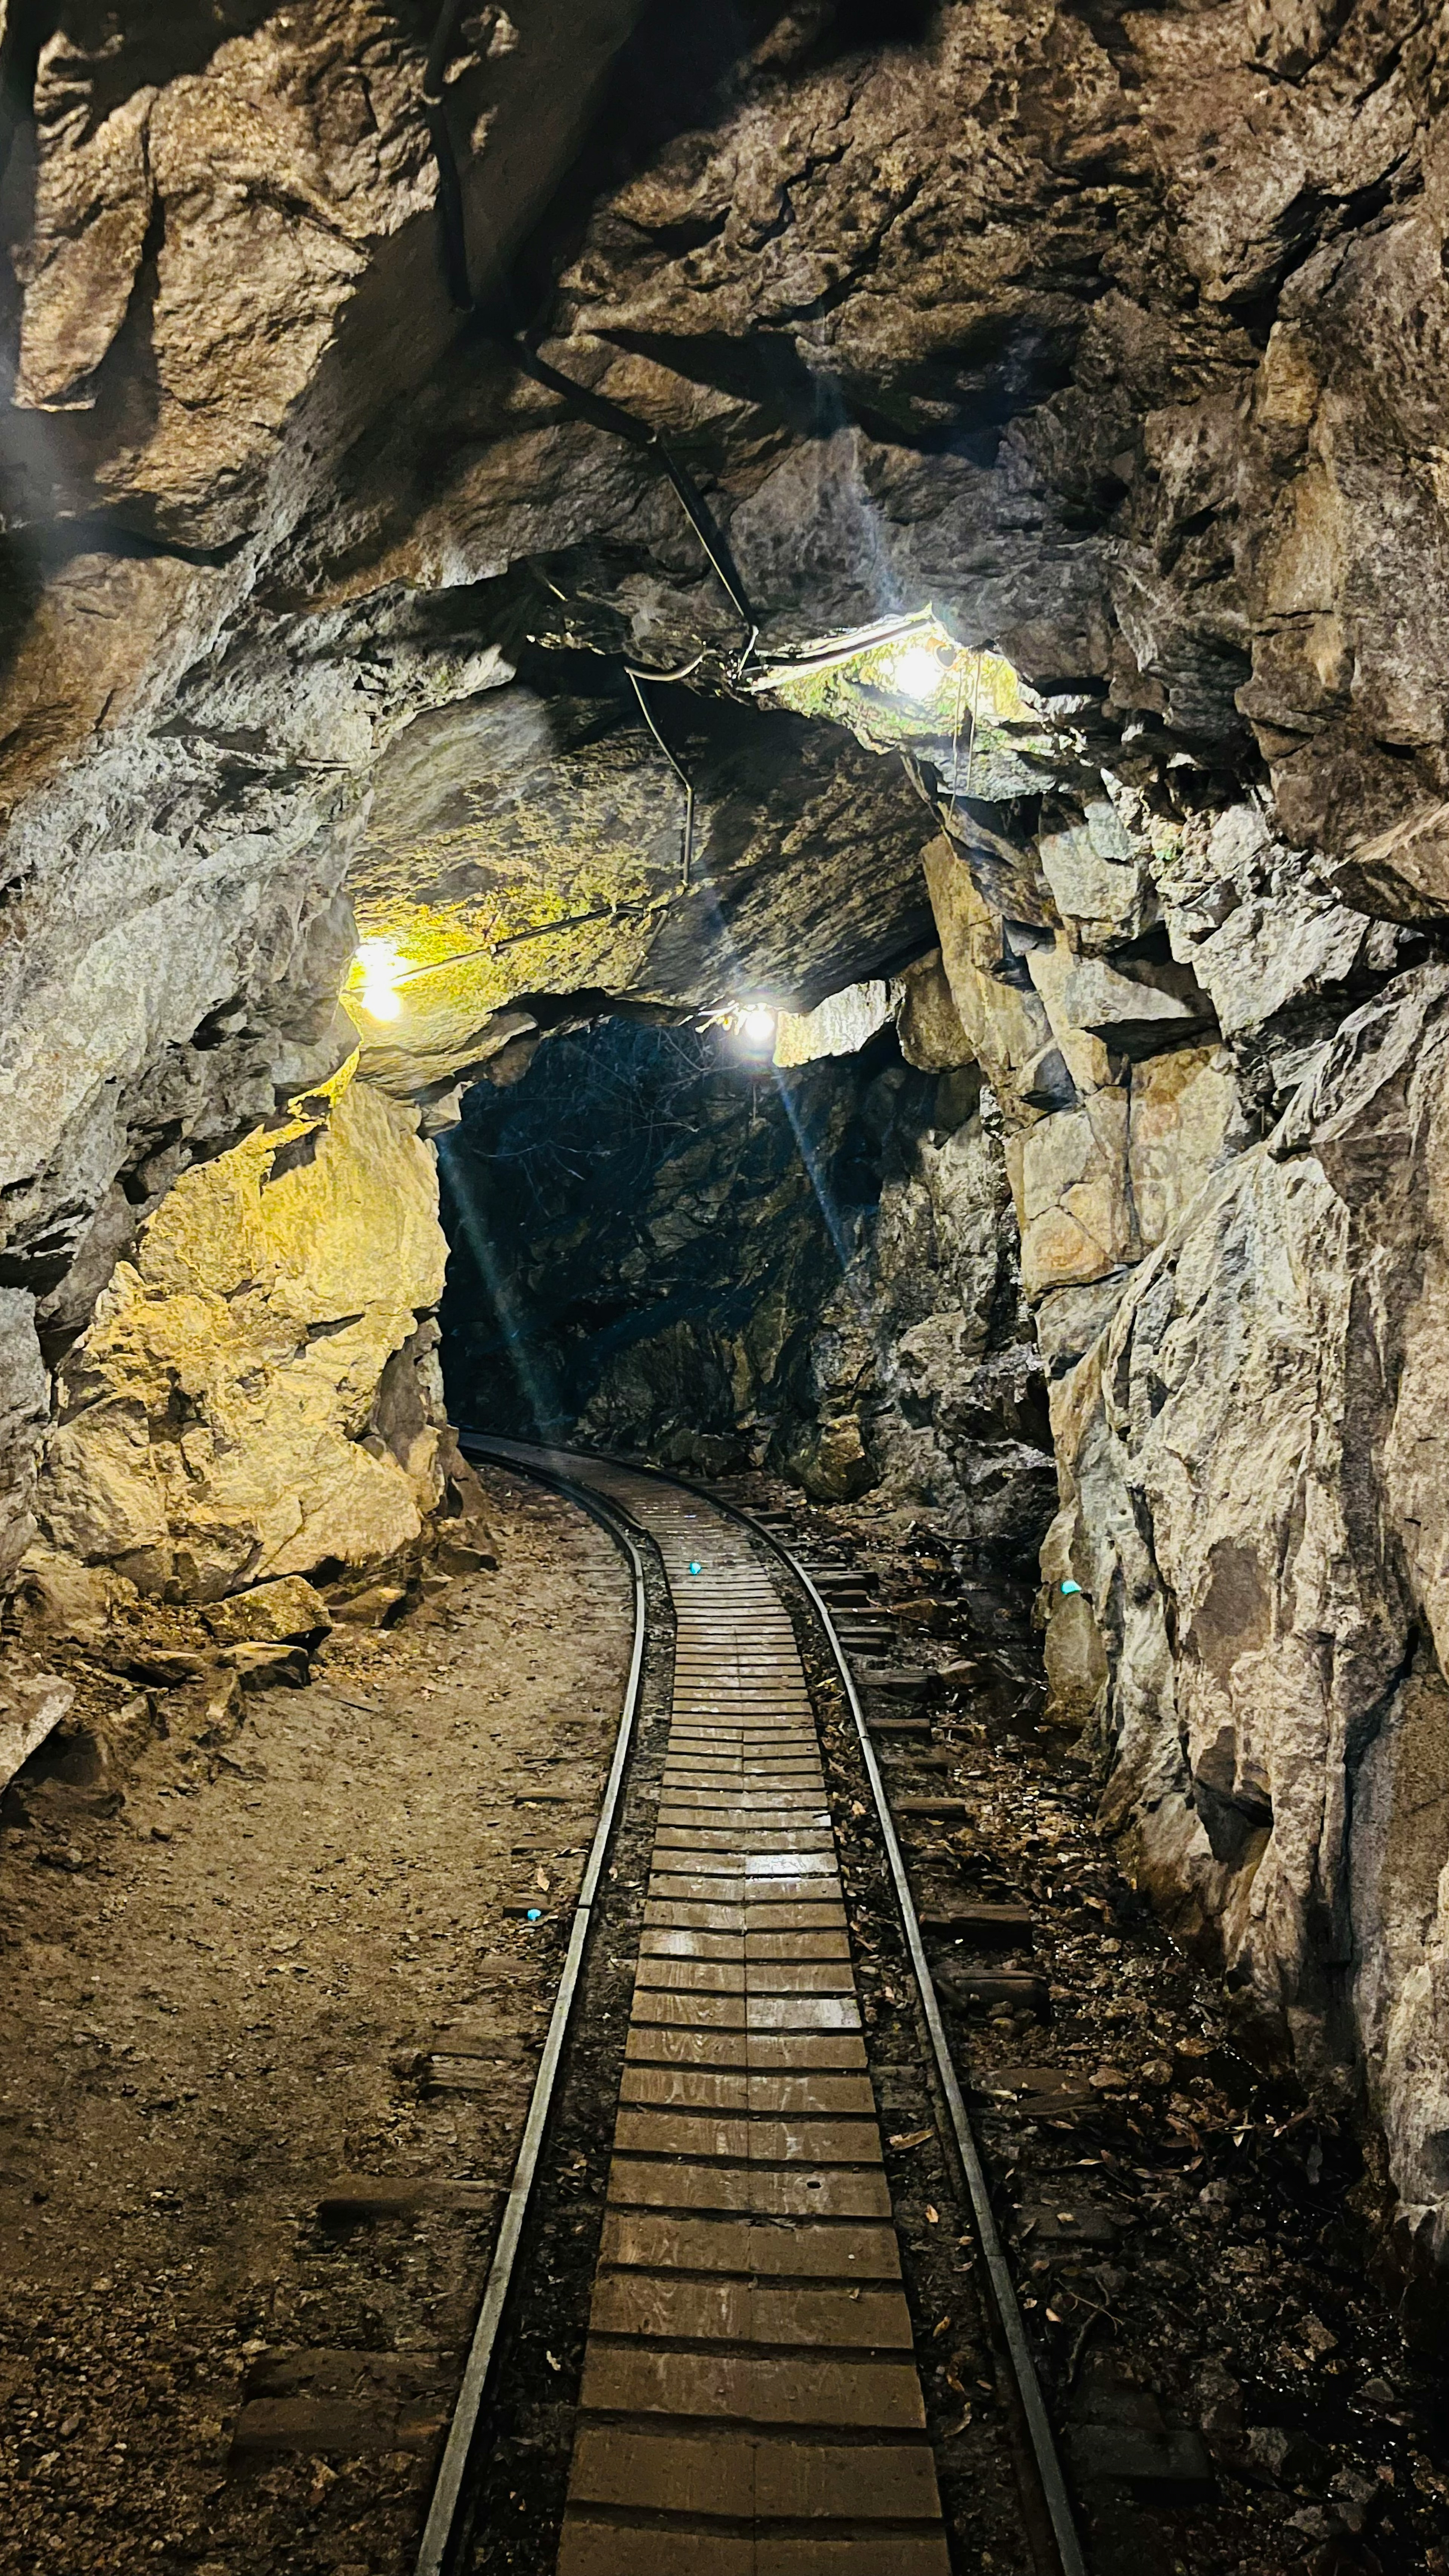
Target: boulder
[[1005, 1023], [927, 1020], [369, 1607], [1133, 1004], [1100, 877], [255, 1396], [840, 1025], [24, 1412], [31, 1704], [1184, 1122], [57, 1596], [288, 1609], [1071, 1183]]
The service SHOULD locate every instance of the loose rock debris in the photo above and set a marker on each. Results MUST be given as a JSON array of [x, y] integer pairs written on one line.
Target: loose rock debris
[[253, 1967]]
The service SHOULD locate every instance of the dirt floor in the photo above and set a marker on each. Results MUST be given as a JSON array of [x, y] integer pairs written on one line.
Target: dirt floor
[[270, 2006], [271, 1963]]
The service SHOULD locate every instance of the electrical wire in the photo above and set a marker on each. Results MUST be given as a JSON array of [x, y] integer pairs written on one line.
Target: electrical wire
[[637, 683], [611, 416], [581, 399], [512, 938], [450, 184], [975, 720], [956, 733]]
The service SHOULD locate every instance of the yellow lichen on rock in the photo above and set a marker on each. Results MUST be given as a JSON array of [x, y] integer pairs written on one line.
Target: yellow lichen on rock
[[227, 1416]]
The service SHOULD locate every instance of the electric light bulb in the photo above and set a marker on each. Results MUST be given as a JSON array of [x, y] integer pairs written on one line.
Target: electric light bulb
[[757, 1028], [917, 672], [381, 967]]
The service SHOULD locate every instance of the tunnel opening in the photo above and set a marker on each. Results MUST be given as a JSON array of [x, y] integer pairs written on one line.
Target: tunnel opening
[[665, 1244]]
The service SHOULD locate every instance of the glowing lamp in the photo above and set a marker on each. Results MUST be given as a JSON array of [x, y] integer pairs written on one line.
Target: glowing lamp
[[381, 967], [918, 672], [757, 1028]]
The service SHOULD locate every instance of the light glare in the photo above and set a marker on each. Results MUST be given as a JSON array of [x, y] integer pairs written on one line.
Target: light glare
[[918, 672], [381, 967], [757, 1028]]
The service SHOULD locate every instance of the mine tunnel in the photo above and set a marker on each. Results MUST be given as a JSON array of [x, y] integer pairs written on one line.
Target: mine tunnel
[[724, 1760]]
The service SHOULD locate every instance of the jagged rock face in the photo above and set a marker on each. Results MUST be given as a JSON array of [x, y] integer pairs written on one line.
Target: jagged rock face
[[534, 806], [225, 262], [1121, 336], [656, 1246], [254, 1397], [1254, 1460]]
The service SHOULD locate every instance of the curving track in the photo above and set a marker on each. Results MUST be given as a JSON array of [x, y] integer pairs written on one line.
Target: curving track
[[750, 2401]]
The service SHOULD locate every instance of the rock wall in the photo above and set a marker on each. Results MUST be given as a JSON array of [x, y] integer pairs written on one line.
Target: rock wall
[[1232, 1248], [1253, 1460], [258, 1393]]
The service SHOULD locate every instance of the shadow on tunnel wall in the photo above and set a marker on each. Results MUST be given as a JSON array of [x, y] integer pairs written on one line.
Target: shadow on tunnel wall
[[660, 1248]]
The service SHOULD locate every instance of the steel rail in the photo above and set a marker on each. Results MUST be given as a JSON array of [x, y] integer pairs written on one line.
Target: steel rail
[[443, 2510], [993, 2253]]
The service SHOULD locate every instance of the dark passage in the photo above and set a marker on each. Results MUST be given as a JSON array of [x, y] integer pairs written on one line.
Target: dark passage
[[660, 1246]]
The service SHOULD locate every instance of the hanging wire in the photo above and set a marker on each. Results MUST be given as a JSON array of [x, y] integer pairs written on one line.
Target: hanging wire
[[975, 720], [450, 185], [611, 416], [956, 734], [513, 938], [637, 681], [581, 399]]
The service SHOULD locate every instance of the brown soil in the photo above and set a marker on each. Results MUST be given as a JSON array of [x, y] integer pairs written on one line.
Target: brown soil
[[219, 1992]]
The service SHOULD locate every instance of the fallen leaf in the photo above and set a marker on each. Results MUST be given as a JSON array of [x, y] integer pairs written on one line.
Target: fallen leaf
[[912, 2138]]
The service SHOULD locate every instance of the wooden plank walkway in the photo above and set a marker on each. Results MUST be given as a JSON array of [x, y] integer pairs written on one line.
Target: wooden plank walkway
[[750, 2402]]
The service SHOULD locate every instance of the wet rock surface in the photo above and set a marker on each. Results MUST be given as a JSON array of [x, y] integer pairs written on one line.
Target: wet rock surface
[[272, 2010]]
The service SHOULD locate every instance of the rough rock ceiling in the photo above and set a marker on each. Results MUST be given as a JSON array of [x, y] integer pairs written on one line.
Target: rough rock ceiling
[[547, 803], [1117, 334]]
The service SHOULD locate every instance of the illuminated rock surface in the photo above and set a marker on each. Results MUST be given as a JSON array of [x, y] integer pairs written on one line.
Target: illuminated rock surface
[[1118, 339], [239, 1408]]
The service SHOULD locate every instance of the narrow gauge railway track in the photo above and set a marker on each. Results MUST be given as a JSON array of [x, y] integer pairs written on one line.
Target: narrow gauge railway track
[[721, 2297]]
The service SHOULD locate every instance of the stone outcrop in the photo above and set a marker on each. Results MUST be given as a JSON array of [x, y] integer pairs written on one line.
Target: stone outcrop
[[1252, 1459], [258, 1393]]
